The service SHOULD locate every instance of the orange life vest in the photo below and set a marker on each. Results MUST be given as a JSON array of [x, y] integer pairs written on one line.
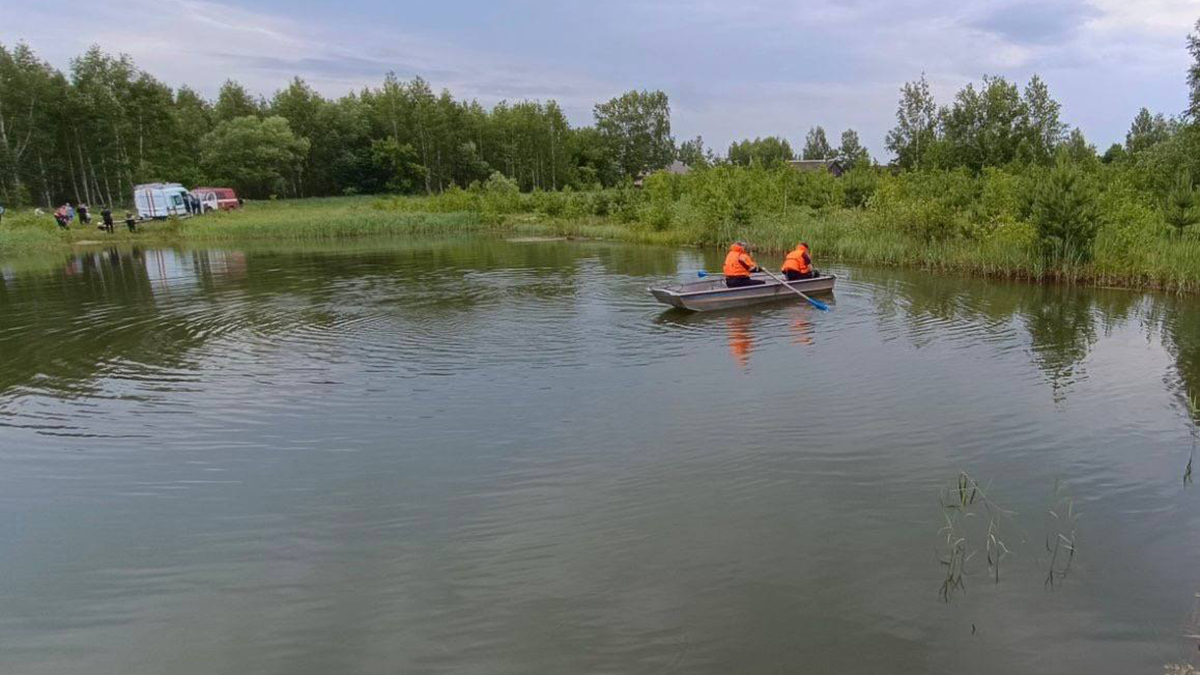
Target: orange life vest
[[738, 263], [796, 262]]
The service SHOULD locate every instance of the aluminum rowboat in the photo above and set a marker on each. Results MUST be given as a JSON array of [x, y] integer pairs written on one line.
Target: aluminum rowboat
[[712, 294]]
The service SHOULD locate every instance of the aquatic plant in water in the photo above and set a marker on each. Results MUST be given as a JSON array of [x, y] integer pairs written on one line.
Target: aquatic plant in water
[[964, 503], [1060, 533]]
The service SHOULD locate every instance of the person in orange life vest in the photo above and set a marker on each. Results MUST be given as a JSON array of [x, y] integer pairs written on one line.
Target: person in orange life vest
[[739, 265], [798, 264]]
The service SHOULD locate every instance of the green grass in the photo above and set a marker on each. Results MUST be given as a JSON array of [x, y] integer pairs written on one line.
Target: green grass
[[848, 235], [300, 220]]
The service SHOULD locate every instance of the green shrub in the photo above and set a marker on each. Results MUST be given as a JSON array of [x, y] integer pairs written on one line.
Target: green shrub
[[456, 200], [712, 192], [500, 195], [660, 190], [578, 204], [1000, 198], [1066, 213], [552, 204], [924, 218], [819, 190], [957, 189], [858, 185], [602, 203], [1181, 209], [625, 204], [1020, 237]]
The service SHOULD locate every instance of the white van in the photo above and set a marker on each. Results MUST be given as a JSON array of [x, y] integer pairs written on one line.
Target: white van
[[160, 200]]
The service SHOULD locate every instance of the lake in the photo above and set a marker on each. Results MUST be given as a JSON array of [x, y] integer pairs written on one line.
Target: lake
[[487, 456]]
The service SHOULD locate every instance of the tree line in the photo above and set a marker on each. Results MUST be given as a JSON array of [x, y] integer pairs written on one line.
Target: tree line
[[93, 132]]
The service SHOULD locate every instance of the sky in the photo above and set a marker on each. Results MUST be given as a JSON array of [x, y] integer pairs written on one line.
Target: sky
[[734, 69]]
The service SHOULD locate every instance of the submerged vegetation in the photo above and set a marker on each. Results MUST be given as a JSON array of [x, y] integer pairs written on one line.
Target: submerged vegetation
[[1060, 533], [969, 516]]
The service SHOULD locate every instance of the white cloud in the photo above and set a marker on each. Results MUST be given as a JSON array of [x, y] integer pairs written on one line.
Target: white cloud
[[1167, 20], [202, 43], [748, 68]]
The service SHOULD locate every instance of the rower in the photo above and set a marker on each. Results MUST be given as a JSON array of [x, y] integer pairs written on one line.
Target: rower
[[798, 264], [739, 265]]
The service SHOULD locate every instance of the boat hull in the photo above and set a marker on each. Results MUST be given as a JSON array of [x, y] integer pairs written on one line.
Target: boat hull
[[712, 295]]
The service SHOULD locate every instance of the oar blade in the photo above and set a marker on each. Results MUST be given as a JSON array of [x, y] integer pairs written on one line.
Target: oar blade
[[818, 304]]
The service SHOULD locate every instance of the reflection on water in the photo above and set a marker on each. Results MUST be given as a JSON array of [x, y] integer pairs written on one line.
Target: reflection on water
[[501, 457], [741, 342], [802, 327], [1061, 331]]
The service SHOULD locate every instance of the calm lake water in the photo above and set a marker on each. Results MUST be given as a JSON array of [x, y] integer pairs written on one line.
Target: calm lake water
[[479, 456]]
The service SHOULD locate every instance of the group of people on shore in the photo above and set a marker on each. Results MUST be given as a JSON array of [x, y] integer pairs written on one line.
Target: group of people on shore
[[739, 265], [66, 214]]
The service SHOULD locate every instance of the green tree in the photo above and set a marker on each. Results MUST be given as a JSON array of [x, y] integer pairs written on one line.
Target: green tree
[[1040, 129], [1146, 131], [768, 152], [1078, 150], [851, 152], [916, 125], [341, 160], [30, 92], [234, 101], [303, 108], [637, 127], [398, 164], [1115, 153], [593, 158], [1181, 209], [192, 118], [984, 126], [1066, 212], [692, 153], [816, 145], [1156, 167], [259, 157]]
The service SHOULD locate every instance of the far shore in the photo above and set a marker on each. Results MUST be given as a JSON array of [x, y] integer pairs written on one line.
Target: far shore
[[835, 236]]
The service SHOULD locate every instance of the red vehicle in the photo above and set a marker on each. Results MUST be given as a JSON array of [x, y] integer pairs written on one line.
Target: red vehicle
[[216, 198]]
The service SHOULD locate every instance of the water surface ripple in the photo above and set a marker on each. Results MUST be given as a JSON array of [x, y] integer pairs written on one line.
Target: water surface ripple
[[478, 456]]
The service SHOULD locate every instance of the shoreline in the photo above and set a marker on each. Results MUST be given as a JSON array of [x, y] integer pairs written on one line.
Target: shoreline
[[839, 236]]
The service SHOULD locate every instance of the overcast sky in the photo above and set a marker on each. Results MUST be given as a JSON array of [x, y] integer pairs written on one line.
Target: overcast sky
[[732, 69]]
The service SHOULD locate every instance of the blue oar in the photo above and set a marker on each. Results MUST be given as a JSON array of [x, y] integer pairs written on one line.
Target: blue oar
[[812, 301]]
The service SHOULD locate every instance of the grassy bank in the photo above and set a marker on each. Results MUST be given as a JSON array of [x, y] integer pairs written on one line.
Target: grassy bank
[[296, 220], [836, 233]]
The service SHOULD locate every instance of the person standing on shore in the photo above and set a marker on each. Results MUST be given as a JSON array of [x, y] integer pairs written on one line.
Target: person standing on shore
[[130, 222], [106, 220], [85, 218]]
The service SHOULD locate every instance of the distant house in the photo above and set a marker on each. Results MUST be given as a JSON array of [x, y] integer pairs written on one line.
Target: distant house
[[833, 166], [676, 168]]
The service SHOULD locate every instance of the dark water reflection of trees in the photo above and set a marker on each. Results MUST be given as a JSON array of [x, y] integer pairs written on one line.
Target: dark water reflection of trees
[[1062, 324], [64, 323]]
